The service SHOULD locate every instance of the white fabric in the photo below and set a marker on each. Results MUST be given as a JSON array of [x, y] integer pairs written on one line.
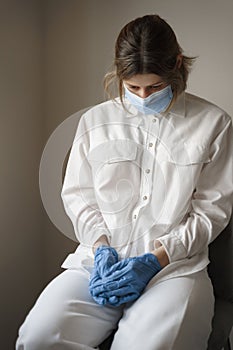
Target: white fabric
[[143, 179], [175, 314]]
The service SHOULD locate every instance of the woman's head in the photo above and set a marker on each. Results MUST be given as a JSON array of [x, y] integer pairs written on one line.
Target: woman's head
[[148, 45]]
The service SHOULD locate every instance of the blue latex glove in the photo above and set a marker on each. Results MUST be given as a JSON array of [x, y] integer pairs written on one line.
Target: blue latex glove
[[105, 257], [125, 280]]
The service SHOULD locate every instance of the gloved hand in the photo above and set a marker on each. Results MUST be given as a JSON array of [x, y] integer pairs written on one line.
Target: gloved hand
[[105, 257], [125, 280]]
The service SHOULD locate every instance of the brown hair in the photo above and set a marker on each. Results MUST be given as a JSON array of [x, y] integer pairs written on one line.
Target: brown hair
[[148, 45]]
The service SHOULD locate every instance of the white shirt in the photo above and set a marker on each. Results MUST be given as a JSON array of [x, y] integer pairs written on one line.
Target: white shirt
[[143, 179]]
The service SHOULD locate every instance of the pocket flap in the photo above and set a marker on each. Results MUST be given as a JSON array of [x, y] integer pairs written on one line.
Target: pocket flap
[[186, 155], [114, 151]]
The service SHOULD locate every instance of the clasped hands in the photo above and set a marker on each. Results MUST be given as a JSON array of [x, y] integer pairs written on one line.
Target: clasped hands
[[116, 282]]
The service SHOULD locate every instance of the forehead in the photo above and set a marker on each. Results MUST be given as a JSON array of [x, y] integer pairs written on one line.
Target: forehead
[[143, 80]]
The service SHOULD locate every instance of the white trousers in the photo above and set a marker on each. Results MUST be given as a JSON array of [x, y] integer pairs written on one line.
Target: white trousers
[[174, 314]]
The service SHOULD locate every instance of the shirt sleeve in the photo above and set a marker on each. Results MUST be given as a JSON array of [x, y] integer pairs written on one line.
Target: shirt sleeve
[[211, 203], [78, 194]]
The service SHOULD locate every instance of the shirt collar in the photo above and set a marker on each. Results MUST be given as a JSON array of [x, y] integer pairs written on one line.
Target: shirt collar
[[133, 111], [178, 108]]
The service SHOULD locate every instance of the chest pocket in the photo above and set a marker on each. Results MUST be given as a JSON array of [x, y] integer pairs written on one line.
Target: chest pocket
[[116, 174], [121, 151], [181, 167], [113, 151], [188, 154]]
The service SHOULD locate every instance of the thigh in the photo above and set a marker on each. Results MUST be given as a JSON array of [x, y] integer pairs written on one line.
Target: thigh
[[174, 314], [65, 314]]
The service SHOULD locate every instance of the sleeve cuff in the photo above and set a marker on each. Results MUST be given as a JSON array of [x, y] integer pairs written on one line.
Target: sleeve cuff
[[173, 247], [97, 233]]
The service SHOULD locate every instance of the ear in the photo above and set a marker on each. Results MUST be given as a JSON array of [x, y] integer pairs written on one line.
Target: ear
[[179, 60]]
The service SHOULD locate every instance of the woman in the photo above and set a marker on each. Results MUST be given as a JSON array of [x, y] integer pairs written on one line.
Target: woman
[[148, 186]]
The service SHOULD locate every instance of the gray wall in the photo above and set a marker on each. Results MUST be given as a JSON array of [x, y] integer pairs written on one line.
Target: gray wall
[[53, 57], [22, 123]]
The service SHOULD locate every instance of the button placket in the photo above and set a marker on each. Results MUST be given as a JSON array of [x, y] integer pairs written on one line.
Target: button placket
[[150, 166], [153, 133], [147, 165]]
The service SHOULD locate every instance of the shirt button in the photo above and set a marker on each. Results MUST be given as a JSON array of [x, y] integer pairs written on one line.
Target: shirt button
[[147, 171], [145, 198], [135, 216], [150, 144], [154, 120]]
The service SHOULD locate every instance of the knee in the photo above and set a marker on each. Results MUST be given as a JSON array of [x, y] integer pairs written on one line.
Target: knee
[[32, 342], [39, 331], [31, 338]]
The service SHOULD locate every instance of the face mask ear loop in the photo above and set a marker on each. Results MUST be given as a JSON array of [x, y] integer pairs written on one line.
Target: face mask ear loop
[[179, 61], [122, 102]]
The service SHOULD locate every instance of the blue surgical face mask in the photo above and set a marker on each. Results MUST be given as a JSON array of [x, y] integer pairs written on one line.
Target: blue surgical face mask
[[154, 103]]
